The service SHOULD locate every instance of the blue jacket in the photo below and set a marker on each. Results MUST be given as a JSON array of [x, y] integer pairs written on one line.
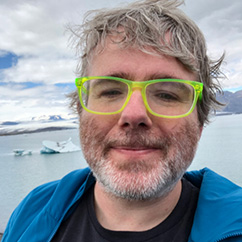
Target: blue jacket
[[37, 218]]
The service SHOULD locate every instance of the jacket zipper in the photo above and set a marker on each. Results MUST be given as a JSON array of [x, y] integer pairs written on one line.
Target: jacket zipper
[[229, 236], [55, 230], [59, 223]]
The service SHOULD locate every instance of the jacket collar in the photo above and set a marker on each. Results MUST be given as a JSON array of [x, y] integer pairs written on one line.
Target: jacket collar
[[218, 214]]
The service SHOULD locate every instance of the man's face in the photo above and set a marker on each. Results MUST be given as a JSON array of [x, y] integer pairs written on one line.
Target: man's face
[[133, 154]]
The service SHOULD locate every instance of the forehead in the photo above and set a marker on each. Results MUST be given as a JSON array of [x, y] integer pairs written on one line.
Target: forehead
[[135, 64]]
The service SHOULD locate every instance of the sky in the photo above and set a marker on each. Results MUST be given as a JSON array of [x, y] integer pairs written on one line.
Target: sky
[[37, 66]]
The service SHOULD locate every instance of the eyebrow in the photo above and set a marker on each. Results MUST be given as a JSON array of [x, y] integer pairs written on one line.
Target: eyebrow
[[98, 82], [123, 75], [131, 77], [163, 76]]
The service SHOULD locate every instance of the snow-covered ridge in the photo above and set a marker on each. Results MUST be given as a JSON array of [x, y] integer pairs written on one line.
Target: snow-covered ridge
[[39, 124], [51, 118]]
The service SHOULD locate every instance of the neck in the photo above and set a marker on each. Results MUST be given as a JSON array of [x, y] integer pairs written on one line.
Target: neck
[[119, 214]]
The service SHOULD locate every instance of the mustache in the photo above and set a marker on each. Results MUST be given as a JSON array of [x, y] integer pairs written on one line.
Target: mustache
[[136, 140]]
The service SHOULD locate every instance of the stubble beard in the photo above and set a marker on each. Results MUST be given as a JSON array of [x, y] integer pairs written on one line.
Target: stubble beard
[[139, 179]]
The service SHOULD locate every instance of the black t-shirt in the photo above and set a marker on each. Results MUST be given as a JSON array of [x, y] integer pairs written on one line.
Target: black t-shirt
[[83, 226]]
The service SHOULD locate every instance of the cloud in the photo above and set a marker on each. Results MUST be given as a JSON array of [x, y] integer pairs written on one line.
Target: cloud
[[221, 24], [31, 30], [41, 69]]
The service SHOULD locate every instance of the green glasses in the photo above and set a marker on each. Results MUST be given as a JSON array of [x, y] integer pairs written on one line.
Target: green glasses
[[166, 98]]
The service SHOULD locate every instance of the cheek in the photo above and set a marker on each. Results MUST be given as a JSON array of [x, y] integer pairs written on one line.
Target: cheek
[[90, 138], [165, 125], [172, 125], [93, 130], [102, 122]]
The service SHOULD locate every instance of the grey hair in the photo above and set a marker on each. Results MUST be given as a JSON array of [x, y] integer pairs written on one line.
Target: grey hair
[[145, 24]]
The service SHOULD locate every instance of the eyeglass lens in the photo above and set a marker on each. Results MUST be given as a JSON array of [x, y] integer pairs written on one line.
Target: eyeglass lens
[[164, 98]]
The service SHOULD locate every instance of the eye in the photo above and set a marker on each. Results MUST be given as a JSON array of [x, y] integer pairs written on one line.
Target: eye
[[167, 97], [110, 93]]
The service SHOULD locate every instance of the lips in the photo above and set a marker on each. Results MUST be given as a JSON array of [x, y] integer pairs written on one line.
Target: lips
[[137, 145], [134, 150]]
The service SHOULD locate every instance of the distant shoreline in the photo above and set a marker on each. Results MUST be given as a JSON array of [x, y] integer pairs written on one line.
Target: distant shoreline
[[35, 131], [227, 113]]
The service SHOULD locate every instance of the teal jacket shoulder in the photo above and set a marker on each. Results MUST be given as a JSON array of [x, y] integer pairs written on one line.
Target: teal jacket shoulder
[[218, 215], [39, 215]]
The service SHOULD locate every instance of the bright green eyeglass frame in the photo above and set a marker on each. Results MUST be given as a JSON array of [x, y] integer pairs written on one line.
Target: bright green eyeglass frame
[[133, 85]]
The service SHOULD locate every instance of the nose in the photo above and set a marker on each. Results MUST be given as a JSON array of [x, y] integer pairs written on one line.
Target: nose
[[135, 114]]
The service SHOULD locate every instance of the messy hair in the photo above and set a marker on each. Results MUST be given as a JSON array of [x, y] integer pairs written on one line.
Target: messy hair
[[145, 24]]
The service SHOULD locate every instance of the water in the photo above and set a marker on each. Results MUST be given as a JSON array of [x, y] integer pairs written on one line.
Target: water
[[20, 174], [220, 149]]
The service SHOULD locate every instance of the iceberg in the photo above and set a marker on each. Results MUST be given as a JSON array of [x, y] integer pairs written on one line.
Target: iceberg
[[21, 152], [52, 147]]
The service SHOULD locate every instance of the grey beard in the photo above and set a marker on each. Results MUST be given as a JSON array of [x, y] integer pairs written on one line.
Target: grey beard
[[152, 183], [133, 190]]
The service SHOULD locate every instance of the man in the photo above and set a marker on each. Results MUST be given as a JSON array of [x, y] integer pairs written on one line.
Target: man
[[145, 92]]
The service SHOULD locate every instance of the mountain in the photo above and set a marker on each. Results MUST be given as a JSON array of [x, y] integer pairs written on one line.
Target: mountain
[[48, 118], [232, 100], [39, 124]]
